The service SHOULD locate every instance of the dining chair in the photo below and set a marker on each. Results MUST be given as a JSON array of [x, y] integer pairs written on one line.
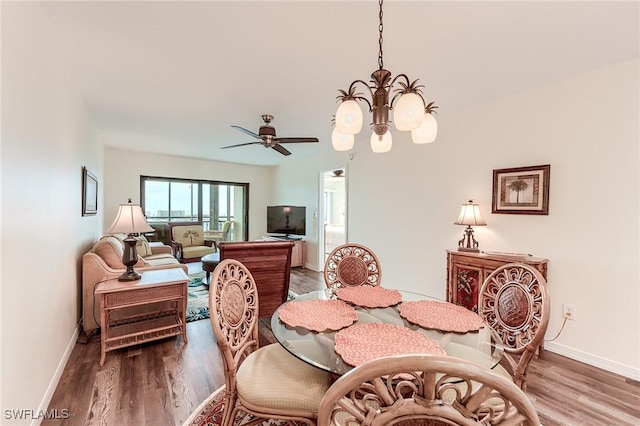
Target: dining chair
[[421, 390], [514, 302], [351, 265], [267, 382]]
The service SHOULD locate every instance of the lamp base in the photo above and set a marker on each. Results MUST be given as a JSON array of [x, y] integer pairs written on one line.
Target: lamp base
[[468, 243], [473, 250], [129, 275], [129, 258]]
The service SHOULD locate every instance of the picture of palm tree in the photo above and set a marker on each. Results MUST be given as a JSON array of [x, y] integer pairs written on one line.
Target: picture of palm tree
[[518, 186], [191, 234], [521, 190]]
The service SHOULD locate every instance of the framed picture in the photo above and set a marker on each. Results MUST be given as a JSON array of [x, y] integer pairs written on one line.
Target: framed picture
[[521, 190], [89, 193]]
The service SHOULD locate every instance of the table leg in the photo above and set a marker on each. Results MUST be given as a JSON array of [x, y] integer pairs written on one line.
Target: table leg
[[103, 332], [183, 312]]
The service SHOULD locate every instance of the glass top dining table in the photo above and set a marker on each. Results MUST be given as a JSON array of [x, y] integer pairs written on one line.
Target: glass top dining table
[[317, 348]]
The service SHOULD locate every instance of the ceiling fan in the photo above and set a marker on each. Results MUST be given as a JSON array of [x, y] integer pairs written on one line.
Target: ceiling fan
[[268, 139]]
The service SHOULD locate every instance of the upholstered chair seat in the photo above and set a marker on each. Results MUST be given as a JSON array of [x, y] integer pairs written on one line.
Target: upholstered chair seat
[[301, 390]]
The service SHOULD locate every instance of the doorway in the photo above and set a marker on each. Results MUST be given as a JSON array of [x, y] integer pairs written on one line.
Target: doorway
[[333, 210]]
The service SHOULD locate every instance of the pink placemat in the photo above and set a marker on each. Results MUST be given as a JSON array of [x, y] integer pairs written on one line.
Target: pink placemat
[[441, 316], [365, 342], [369, 296], [318, 315]]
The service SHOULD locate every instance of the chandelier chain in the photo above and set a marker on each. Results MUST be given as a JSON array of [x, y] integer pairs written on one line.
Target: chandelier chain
[[380, 28]]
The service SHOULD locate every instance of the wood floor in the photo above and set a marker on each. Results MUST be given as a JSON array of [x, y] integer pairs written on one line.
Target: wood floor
[[161, 383]]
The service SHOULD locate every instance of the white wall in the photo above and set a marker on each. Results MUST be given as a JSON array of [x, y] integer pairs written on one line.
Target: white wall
[[124, 168], [46, 139], [403, 203], [298, 184]]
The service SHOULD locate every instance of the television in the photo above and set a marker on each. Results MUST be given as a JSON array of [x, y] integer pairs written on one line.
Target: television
[[286, 221]]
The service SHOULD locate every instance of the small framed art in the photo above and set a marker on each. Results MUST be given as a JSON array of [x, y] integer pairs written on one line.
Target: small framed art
[[89, 193], [521, 190]]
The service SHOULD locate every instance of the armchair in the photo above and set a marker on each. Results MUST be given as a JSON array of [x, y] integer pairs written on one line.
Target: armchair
[[217, 236], [187, 241]]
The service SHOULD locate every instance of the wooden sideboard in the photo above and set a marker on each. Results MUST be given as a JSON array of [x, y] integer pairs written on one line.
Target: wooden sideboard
[[298, 255], [466, 271]]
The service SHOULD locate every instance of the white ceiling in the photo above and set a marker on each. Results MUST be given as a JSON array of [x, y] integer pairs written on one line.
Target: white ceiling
[[172, 77]]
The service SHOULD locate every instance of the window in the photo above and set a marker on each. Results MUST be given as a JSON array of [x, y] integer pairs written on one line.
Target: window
[[213, 203]]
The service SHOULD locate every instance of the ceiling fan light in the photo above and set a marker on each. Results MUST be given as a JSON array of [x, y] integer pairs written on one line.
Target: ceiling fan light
[[380, 144], [341, 142], [427, 131], [408, 111], [349, 117]]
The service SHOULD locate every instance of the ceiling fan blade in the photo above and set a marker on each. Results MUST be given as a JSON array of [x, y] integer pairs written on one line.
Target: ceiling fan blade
[[240, 144], [281, 149], [295, 140], [249, 132]]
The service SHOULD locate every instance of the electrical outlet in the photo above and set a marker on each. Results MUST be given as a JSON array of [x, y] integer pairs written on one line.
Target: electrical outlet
[[569, 311]]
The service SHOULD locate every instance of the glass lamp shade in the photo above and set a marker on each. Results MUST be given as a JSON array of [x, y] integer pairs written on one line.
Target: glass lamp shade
[[470, 215], [349, 118], [427, 131], [408, 112], [129, 220], [341, 142], [380, 144]]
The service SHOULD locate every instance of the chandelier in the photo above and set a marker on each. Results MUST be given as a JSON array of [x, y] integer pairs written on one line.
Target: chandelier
[[409, 112]]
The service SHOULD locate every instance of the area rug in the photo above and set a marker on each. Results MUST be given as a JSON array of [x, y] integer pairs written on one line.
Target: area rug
[[209, 413], [198, 298]]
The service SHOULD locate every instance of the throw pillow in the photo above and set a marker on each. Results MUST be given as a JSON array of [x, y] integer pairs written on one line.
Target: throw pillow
[[143, 247]]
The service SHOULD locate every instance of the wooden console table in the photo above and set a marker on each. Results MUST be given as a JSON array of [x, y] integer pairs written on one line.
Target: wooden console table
[[466, 271], [134, 312], [298, 255]]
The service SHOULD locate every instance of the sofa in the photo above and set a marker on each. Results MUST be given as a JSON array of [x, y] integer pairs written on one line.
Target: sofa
[[104, 262]]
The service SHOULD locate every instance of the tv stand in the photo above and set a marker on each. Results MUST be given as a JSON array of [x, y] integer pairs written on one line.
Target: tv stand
[[285, 237], [297, 254]]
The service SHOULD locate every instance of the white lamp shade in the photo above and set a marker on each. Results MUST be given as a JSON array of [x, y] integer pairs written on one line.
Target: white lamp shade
[[427, 131], [408, 112], [349, 118], [341, 142], [470, 215], [129, 220], [380, 144]]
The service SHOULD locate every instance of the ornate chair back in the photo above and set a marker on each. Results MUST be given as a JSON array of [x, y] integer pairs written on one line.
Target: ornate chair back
[[421, 390], [233, 307], [266, 382], [352, 265], [514, 302]]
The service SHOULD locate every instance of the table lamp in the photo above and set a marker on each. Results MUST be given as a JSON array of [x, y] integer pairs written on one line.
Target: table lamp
[[470, 216], [130, 220]]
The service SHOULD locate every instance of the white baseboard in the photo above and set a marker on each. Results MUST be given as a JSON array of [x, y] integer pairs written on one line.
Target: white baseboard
[[596, 361], [46, 400]]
